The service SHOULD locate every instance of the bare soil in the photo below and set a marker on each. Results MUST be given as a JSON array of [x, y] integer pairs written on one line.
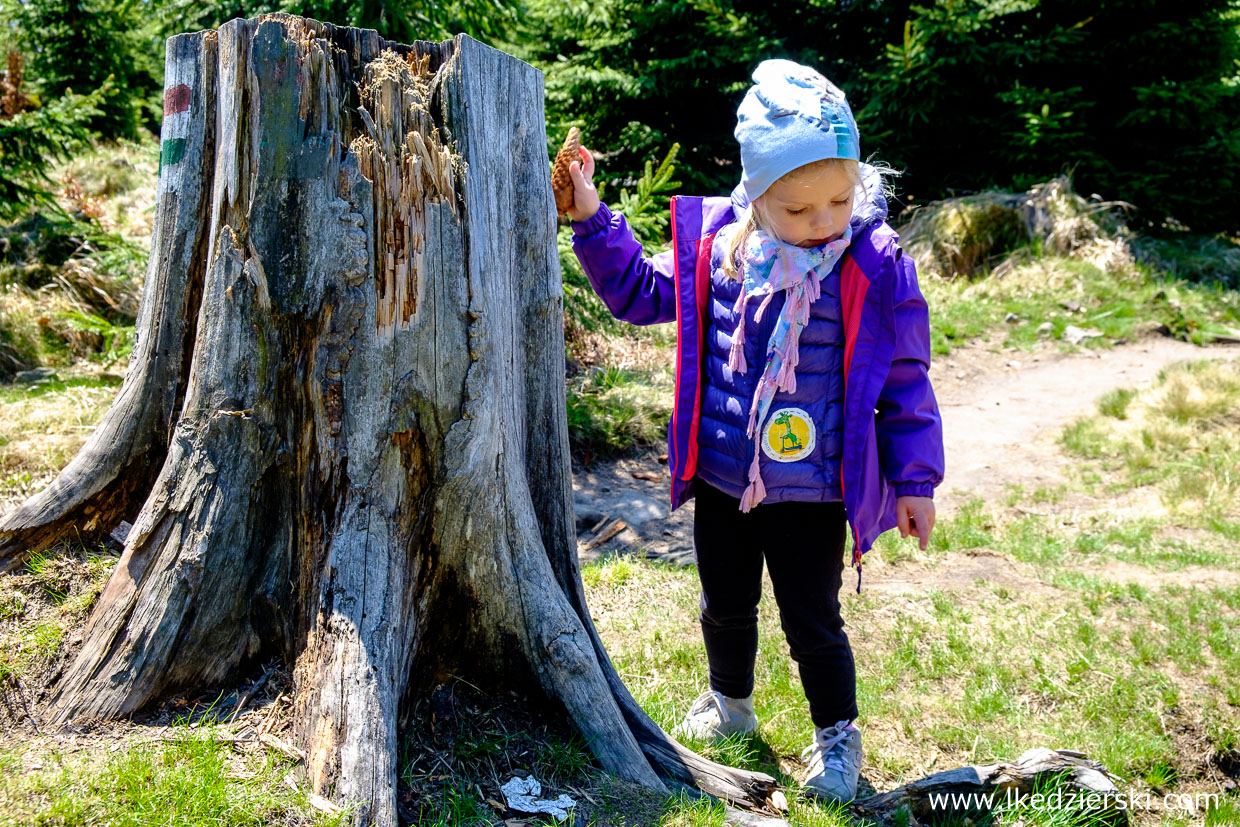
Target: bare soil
[[1002, 412]]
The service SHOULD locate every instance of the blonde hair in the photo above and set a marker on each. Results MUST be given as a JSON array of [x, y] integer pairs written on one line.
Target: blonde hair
[[755, 218]]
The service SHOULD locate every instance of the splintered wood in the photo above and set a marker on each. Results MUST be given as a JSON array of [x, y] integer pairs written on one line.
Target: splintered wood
[[406, 159]]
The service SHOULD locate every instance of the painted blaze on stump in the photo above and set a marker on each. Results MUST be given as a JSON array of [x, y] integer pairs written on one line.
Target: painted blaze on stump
[[342, 438]]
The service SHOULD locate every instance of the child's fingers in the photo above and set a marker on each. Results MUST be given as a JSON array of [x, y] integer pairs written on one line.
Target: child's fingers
[[925, 524], [588, 162], [902, 519]]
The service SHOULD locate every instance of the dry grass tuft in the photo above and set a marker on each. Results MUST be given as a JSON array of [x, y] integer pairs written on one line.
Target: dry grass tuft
[[996, 230]]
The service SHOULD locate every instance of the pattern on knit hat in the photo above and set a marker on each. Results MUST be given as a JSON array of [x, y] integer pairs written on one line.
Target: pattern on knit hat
[[792, 116]]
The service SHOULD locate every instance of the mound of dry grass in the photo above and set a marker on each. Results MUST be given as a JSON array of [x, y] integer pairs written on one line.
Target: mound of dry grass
[[997, 231]]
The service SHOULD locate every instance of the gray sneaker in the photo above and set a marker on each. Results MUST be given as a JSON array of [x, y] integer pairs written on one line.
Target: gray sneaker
[[834, 762], [713, 716]]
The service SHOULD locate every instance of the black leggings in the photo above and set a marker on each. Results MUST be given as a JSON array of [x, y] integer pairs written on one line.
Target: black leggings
[[803, 544]]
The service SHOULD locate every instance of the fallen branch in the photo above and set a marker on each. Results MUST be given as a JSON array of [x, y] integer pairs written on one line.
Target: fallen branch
[[241, 702], [609, 532], [958, 787]]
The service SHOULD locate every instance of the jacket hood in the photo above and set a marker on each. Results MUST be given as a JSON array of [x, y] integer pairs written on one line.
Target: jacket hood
[[869, 203]]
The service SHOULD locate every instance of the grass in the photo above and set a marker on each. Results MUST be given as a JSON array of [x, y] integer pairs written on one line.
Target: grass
[[623, 401], [69, 287], [1115, 403], [38, 606], [960, 675], [1137, 671], [1176, 438], [192, 780], [42, 427], [1118, 303]]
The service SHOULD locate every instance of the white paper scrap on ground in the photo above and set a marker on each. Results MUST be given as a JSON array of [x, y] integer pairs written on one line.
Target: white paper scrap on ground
[[521, 794]]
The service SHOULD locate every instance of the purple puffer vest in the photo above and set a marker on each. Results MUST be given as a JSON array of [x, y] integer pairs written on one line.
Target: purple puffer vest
[[804, 466], [892, 433]]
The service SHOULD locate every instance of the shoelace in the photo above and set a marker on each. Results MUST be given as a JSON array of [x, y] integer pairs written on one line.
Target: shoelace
[[825, 743], [704, 701]]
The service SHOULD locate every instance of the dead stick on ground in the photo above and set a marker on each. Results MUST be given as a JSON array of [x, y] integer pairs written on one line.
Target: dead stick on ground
[[611, 531], [275, 706], [21, 694], [280, 746], [241, 702]]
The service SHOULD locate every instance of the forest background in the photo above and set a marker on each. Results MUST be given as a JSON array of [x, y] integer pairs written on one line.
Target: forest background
[[1139, 100]]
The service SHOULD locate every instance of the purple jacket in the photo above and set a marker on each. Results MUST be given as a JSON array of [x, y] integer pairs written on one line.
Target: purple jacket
[[893, 435]]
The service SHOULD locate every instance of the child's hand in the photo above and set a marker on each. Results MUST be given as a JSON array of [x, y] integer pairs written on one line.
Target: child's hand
[[916, 517], [585, 196]]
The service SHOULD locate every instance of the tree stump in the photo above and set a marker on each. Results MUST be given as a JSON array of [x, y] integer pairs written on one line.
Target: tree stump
[[342, 437]]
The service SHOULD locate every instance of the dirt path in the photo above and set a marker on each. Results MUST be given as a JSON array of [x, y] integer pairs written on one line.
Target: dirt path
[[1002, 413], [1002, 416]]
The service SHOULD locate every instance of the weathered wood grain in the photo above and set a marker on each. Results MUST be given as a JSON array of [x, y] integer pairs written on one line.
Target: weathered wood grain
[[368, 475]]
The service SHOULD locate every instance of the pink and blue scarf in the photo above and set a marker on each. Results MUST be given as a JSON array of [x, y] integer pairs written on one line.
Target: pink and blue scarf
[[768, 266]]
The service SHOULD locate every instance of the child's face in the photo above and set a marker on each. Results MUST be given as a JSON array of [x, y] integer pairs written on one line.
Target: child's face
[[809, 207]]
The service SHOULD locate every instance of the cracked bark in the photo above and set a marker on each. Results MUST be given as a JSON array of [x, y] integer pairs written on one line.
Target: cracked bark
[[348, 396]]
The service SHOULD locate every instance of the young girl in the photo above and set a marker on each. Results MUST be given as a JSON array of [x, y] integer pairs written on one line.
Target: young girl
[[802, 396]]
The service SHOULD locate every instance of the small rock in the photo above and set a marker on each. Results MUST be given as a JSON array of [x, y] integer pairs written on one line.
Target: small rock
[[1075, 335], [960, 374], [1011, 318], [1012, 363], [33, 377], [678, 556], [1045, 327], [1071, 306], [1120, 341], [1150, 328]]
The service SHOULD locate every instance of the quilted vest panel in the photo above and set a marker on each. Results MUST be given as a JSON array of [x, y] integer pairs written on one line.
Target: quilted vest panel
[[803, 430]]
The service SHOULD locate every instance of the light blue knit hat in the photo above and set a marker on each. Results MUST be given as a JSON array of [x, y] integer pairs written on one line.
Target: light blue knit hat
[[791, 117]]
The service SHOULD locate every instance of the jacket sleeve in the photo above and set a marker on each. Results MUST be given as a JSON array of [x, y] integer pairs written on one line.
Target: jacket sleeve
[[636, 289], [909, 429]]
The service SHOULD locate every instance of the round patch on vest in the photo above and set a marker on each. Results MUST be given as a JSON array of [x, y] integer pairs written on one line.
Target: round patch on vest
[[788, 435]]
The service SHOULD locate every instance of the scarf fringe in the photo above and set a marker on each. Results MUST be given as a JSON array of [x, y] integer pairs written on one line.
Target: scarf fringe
[[753, 407], [786, 379], [757, 317], [756, 492], [736, 356]]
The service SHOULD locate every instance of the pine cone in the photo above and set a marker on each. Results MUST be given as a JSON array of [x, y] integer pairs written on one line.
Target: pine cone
[[561, 182]]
